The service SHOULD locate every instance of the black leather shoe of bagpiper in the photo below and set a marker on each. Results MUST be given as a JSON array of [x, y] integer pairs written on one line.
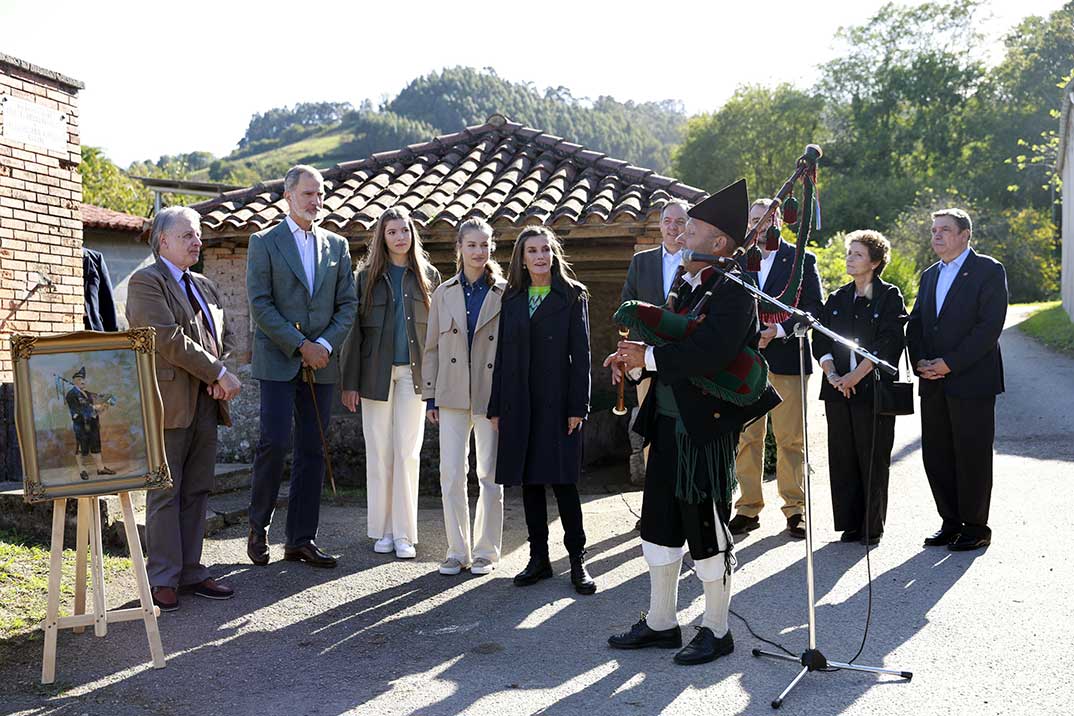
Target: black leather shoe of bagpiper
[[165, 598], [705, 647], [941, 538], [641, 636], [795, 528], [106, 471], [257, 547], [311, 554], [583, 583], [740, 524], [537, 568], [851, 536], [208, 588], [966, 543]]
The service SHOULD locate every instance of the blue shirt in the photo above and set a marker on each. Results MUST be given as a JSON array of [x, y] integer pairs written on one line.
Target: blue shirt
[[474, 295], [401, 347], [948, 273]]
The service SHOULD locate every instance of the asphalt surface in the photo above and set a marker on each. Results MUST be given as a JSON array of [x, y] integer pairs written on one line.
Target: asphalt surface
[[983, 633]]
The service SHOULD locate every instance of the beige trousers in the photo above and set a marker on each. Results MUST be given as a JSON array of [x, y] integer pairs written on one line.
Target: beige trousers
[[455, 426], [790, 452], [393, 430]]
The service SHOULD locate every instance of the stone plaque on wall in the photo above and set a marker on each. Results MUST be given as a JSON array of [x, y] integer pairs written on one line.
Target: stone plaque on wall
[[33, 124]]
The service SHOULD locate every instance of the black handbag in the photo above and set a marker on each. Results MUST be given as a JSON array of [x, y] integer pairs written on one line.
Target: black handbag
[[896, 397]]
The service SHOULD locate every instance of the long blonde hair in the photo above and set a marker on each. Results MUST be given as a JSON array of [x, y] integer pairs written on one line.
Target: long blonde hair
[[376, 260], [493, 272], [518, 278]]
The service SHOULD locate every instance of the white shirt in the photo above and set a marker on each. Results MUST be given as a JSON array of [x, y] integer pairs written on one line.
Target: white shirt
[[306, 243], [177, 274], [671, 262], [767, 262], [650, 360], [948, 273]]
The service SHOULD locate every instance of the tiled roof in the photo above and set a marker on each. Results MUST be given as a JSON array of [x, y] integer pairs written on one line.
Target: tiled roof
[[96, 217], [499, 171]]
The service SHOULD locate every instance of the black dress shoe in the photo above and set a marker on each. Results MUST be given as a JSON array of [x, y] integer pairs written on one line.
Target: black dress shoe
[[795, 528], [257, 547], [642, 636], [106, 471], [740, 524], [941, 538], [208, 588], [705, 647], [874, 540], [537, 568], [311, 554], [583, 583], [851, 536], [84, 475], [966, 543]]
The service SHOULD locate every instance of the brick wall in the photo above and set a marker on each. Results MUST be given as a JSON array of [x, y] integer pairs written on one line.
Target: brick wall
[[40, 229]]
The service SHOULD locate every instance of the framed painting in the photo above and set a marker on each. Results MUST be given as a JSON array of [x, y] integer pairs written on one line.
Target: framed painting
[[88, 414]]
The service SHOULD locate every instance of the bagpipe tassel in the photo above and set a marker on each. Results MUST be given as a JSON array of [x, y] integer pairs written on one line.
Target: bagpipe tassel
[[771, 239], [790, 210], [753, 259]]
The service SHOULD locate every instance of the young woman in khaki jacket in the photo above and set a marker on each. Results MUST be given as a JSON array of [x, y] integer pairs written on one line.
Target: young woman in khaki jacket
[[460, 349], [382, 368]]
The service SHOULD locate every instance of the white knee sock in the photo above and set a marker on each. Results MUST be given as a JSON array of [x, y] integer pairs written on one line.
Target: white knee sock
[[717, 604], [663, 596]]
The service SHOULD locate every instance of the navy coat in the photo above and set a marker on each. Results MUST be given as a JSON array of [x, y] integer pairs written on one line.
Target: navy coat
[[100, 311], [541, 378]]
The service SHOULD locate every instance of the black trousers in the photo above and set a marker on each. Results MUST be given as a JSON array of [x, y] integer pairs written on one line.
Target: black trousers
[[957, 435], [850, 442], [570, 515]]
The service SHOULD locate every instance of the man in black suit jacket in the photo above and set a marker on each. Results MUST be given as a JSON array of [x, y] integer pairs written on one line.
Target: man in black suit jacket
[[780, 349], [953, 338], [649, 279]]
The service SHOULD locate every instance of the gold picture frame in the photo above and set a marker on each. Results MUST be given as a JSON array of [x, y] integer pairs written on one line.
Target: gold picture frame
[[88, 414]]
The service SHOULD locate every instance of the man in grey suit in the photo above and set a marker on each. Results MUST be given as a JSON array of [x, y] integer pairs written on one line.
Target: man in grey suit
[[303, 303], [649, 279], [193, 341]]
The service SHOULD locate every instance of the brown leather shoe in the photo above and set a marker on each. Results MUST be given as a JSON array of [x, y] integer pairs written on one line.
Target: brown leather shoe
[[208, 588], [165, 598], [257, 547], [311, 554]]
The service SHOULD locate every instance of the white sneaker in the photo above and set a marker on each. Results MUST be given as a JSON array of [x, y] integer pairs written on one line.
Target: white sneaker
[[451, 567], [384, 545], [404, 550], [482, 565]]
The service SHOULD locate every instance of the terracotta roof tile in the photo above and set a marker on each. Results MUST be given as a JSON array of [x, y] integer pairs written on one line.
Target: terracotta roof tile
[[97, 217], [500, 171]]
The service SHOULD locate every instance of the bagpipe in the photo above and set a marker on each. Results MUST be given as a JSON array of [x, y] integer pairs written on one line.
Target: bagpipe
[[744, 379], [63, 386]]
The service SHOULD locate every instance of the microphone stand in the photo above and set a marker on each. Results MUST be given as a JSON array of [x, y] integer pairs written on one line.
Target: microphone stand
[[811, 659]]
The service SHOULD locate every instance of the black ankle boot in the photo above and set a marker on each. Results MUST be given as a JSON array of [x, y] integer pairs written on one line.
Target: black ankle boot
[[537, 568], [583, 583]]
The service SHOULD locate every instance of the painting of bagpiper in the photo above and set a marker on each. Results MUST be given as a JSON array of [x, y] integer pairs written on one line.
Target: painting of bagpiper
[[87, 416]]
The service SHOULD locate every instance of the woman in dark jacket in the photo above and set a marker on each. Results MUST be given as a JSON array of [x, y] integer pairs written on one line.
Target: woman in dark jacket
[[871, 312], [540, 396]]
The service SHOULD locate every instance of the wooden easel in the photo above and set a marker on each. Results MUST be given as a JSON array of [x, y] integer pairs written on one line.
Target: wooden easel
[[88, 543]]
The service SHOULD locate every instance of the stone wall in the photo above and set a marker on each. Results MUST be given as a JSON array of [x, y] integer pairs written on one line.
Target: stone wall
[[40, 227]]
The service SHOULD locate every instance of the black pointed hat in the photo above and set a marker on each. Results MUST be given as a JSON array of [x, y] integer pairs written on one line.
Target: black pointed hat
[[80, 373], [728, 210]]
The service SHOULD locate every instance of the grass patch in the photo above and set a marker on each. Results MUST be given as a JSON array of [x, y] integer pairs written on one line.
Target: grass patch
[[1050, 325], [24, 583]]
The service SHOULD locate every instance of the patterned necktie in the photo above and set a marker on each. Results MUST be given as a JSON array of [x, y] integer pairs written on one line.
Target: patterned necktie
[[206, 335]]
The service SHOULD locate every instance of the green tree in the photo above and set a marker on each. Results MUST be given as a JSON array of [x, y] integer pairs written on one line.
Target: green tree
[[104, 184]]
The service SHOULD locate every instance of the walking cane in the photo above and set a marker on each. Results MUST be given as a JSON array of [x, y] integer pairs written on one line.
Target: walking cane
[[307, 378]]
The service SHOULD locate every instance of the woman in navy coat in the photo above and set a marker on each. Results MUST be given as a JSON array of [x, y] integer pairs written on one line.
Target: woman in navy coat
[[540, 396]]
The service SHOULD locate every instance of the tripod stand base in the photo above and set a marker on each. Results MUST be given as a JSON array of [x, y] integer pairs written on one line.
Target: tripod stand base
[[813, 660]]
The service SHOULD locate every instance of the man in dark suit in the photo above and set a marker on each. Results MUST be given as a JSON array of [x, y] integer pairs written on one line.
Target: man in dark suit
[[302, 300], [953, 338], [193, 341], [100, 311], [693, 435], [780, 348], [649, 279]]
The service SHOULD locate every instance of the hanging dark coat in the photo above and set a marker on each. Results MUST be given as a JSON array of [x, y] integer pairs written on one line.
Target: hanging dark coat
[[540, 379]]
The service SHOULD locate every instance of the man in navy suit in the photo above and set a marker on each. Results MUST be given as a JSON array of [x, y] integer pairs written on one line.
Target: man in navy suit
[[953, 338], [780, 349]]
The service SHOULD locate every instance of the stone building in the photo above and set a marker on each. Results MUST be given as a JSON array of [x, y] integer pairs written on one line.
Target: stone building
[[1065, 169], [512, 176], [40, 226]]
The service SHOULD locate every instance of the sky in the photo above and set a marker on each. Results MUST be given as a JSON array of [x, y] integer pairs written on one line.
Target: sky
[[163, 82]]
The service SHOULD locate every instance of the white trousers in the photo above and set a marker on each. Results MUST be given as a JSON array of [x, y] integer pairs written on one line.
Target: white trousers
[[455, 426], [393, 431]]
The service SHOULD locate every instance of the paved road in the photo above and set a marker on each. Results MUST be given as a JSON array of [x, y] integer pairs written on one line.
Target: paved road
[[984, 633]]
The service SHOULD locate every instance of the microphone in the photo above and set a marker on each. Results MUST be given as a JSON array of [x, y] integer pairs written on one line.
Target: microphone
[[724, 262]]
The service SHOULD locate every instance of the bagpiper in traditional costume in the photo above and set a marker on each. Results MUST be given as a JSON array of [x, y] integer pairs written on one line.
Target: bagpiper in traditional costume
[[709, 381]]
